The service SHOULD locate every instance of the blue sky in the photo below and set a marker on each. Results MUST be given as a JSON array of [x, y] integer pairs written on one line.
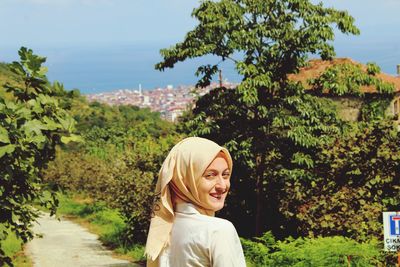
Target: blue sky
[[48, 26], [76, 22]]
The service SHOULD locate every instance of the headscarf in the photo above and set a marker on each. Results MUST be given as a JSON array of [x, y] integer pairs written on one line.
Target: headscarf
[[180, 172]]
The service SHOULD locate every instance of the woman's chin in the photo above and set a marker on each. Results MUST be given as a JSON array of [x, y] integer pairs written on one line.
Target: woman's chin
[[215, 204]]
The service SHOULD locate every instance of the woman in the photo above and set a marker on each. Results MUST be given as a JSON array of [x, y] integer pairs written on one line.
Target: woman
[[192, 185]]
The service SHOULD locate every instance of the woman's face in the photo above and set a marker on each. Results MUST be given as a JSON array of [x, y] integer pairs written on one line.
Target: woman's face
[[214, 184]]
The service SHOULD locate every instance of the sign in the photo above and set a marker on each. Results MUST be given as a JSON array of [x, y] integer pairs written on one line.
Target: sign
[[391, 229]]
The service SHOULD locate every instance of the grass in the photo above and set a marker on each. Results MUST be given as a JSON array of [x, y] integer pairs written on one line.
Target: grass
[[97, 218], [13, 248]]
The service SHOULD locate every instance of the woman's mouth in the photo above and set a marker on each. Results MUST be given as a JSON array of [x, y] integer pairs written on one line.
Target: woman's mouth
[[216, 196]]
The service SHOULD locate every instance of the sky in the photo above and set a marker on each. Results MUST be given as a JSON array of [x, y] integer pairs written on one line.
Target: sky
[[80, 22], [49, 26], [76, 22]]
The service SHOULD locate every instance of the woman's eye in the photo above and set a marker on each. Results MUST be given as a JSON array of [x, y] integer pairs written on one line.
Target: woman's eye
[[212, 175]]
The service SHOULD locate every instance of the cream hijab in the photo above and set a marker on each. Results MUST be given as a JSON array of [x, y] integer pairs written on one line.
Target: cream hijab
[[180, 172]]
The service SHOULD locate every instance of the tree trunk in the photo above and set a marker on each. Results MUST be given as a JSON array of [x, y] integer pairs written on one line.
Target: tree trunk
[[259, 223], [259, 196]]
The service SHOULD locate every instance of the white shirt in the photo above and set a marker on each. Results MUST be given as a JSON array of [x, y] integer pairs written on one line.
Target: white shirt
[[201, 241]]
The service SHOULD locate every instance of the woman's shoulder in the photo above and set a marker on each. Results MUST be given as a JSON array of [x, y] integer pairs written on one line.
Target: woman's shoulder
[[199, 222], [217, 224]]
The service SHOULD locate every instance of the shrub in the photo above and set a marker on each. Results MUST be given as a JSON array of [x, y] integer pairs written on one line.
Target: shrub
[[320, 251], [32, 123]]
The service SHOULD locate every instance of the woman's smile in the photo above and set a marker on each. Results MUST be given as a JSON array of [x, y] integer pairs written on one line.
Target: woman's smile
[[214, 185]]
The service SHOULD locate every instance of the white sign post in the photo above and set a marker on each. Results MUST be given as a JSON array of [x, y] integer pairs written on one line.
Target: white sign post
[[391, 229]]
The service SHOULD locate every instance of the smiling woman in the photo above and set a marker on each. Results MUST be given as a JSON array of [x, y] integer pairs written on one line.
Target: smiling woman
[[192, 185], [214, 184]]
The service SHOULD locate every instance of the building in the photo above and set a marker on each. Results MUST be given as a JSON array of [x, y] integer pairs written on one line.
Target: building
[[349, 104]]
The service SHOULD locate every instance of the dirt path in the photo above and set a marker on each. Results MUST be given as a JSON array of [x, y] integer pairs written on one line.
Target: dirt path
[[66, 244]]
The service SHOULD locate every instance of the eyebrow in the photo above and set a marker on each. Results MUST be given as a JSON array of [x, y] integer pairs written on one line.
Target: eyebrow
[[214, 170]]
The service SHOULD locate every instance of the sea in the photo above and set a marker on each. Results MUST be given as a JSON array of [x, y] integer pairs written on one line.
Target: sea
[[102, 68]]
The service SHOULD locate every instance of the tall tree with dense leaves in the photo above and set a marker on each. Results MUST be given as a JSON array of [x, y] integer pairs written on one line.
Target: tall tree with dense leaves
[[271, 126], [32, 123]]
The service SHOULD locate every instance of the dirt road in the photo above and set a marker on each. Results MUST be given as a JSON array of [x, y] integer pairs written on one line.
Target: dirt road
[[66, 244]]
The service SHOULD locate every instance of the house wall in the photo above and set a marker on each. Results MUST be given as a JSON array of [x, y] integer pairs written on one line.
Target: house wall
[[391, 109], [349, 108]]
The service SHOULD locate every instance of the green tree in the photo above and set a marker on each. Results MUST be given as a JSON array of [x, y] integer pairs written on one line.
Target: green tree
[[31, 124], [271, 126], [356, 181], [353, 177]]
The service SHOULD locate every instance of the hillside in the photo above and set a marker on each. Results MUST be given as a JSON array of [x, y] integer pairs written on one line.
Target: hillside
[[6, 76]]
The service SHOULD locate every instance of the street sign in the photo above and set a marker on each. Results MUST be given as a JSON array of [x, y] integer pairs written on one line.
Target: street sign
[[391, 229]]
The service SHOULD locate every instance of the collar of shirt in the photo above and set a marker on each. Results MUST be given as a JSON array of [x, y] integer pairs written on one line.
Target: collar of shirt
[[186, 208]]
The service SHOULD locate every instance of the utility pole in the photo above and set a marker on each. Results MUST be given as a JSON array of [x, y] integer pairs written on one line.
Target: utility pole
[[220, 78]]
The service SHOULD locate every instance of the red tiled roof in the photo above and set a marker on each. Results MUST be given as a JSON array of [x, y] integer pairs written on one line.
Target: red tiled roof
[[316, 67]]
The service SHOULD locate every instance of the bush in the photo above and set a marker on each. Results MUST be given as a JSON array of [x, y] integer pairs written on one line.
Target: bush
[[258, 251], [125, 182], [133, 197], [355, 180], [77, 172], [32, 123], [321, 251]]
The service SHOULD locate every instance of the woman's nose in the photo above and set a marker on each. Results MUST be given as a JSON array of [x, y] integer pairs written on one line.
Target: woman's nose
[[221, 184]]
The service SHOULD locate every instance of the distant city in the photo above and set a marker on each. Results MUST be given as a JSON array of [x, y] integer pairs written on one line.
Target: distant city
[[169, 101]]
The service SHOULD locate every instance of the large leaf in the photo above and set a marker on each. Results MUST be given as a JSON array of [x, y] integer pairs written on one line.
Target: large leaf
[[35, 126], [6, 150], [4, 138], [51, 124], [71, 138]]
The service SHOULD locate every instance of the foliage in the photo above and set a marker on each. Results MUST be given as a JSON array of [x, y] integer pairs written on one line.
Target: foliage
[[31, 124], [227, 28], [328, 251], [13, 247], [348, 79], [356, 179], [126, 183], [134, 197], [131, 189], [289, 146], [115, 166], [259, 251], [375, 107], [269, 122], [110, 130], [78, 172], [8, 77], [89, 115], [119, 183]]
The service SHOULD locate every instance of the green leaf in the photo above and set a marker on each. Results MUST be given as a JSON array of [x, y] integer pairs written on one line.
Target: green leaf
[[51, 124], [4, 138], [67, 123], [35, 126], [8, 149], [39, 140], [71, 138]]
